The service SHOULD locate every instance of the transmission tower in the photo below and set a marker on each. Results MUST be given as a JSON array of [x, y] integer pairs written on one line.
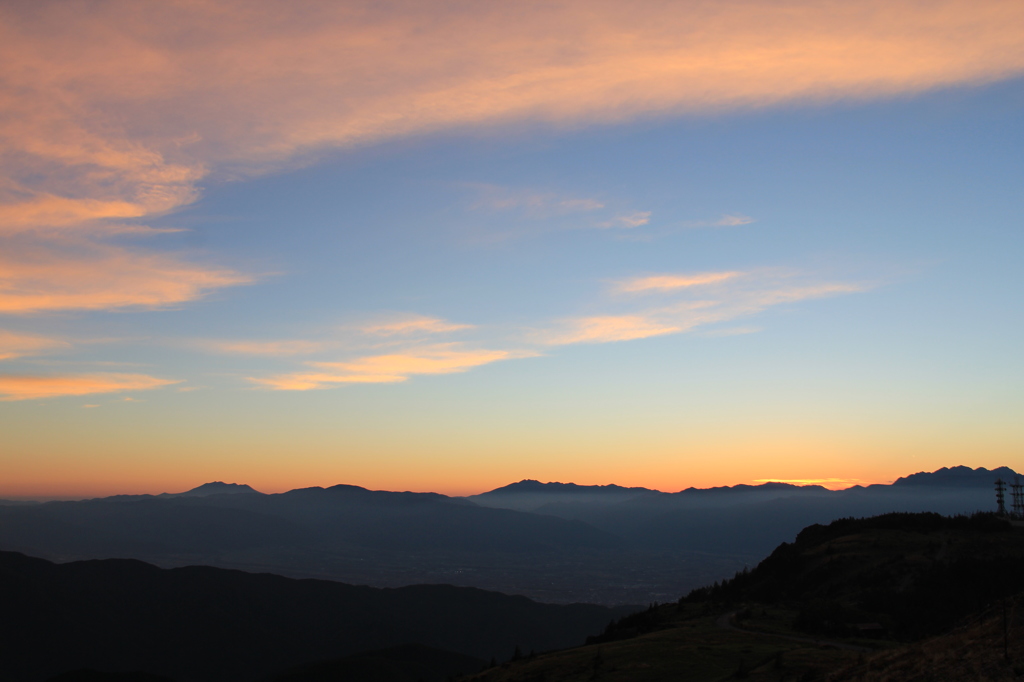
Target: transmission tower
[[1018, 498], [1001, 496]]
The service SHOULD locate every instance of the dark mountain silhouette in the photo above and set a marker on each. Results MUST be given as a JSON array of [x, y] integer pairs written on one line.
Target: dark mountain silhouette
[[331, 518], [533, 486], [918, 574], [892, 597], [959, 476], [202, 623], [344, 533], [556, 542], [217, 488], [530, 495]]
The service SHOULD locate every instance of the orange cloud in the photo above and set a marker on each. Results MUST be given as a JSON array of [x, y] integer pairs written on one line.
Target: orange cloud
[[389, 368], [438, 360], [603, 329], [28, 387], [412, 325], [101, 277], [14, 345], [132, 113], [307, 381], [671, 282], [116, 110], [734, 297]]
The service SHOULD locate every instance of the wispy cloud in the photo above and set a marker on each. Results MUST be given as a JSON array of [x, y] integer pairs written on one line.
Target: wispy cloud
[[688, 302], [413, 324], [36, 278], [530, 202], [726, 220], [117, 114], [308, 381], [386, 330], [389, 368], [441, 359], [661, 283], [627, 221], [695, 301], [16, 345], [607, 328], [28, 387], [140, 114]]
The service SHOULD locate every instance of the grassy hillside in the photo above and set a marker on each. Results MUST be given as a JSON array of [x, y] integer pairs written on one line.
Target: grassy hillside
[[983, 649], [914, 574], [856, 599]]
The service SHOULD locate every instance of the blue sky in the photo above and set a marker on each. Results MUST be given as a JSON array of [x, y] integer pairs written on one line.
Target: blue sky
[[822, 287]]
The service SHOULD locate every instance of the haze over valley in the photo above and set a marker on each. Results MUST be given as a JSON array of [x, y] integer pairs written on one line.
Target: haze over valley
[[556, 543]]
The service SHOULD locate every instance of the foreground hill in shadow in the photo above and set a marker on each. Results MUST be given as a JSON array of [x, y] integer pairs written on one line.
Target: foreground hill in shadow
[[913, 574], [894, 597], [201, 623], [987, 648]]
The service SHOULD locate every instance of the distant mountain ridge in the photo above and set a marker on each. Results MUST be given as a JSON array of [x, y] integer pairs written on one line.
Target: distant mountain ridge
[[218, 488], [530, 485], [557, 542], [946, 476], [958, 476]]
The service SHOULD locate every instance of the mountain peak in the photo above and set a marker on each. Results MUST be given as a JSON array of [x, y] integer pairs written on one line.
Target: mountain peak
[[218, 488], [958, 476], [530, 485]]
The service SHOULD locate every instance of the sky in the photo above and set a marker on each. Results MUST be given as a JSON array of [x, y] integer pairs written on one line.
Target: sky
[[447, 246]]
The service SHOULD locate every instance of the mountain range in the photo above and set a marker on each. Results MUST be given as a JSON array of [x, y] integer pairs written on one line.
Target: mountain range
[[556, 542]]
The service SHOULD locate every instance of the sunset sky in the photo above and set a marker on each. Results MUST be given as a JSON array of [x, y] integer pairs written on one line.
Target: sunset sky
[[450, 245]]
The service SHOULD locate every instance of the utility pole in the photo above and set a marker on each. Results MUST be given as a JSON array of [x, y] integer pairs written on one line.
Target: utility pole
[[1018, 498]]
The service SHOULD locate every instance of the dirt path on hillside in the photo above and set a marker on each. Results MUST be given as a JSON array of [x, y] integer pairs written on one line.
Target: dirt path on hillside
[[727, 622]]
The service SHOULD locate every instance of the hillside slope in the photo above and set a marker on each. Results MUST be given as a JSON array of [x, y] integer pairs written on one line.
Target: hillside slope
[[202, 623], [856, 599]]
